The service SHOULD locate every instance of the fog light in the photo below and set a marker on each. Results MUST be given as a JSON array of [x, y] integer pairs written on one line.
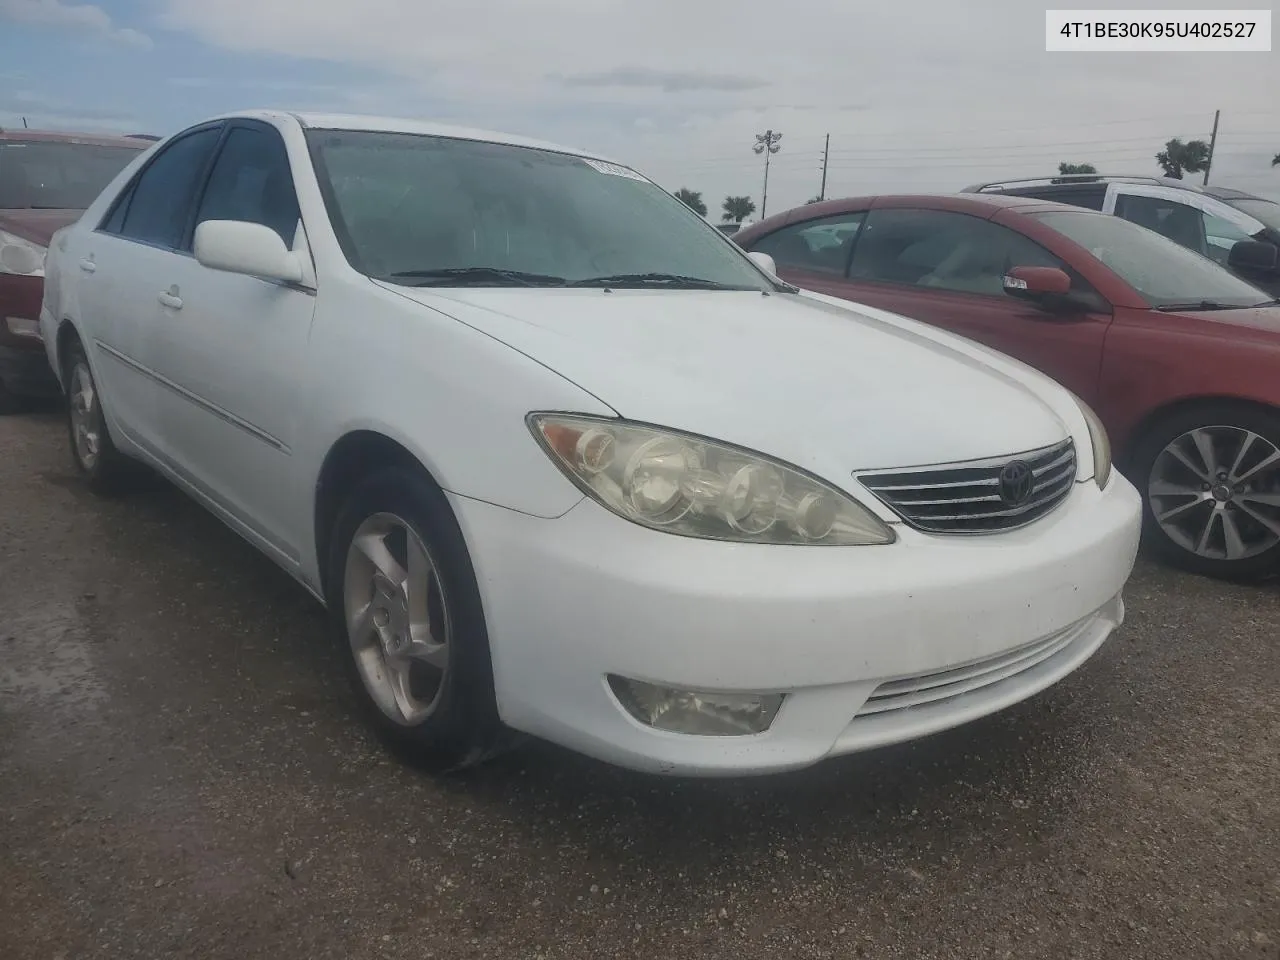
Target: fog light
[[695, 712], [23, 327]]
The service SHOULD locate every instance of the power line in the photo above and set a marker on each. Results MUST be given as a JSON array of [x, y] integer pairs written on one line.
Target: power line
[[1133, 158], [1022, 128], [1006, 148], [862, 135]]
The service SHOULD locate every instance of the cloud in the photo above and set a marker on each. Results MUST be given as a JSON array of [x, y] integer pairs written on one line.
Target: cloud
[[250, 83], [82, 17], [44, 111], [916, 95], [669, 81]]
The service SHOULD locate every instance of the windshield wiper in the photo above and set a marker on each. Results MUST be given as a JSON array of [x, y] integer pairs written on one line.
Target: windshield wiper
[[473, 276], [669, 280], [1203, 305]]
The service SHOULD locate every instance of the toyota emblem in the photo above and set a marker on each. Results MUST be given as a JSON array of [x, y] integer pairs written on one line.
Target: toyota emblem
[[1016, 482]]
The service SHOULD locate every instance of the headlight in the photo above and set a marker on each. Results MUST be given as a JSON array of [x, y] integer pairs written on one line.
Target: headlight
[[694, 487], [21, 257], [1100, 442]]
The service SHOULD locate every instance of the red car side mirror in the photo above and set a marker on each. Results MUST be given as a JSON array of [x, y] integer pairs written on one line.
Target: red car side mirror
[[1034, 283]]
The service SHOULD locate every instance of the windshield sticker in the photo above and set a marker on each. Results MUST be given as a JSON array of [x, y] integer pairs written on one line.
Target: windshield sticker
[[613, 169]]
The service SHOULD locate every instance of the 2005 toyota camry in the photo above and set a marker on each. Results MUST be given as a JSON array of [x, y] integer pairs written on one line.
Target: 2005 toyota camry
[[563, 460]]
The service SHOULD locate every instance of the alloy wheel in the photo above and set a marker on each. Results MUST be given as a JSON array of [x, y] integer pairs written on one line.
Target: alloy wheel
[[397, 619], [1215, 491], [83, 406]]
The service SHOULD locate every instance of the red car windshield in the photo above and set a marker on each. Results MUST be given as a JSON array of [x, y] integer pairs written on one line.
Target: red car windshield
[[57, 174], [1165, 273]]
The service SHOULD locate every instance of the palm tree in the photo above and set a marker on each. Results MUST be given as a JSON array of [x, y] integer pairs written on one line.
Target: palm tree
[[1275, 161], [1066, 169], [1178, 158], [737, 209], [693, 198]]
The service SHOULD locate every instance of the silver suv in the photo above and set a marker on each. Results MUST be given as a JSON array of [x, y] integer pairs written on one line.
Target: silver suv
[[1210, 220]]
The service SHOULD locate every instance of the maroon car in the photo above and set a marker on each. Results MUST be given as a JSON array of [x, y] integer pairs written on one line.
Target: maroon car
[[46, 181], [1180, 358]]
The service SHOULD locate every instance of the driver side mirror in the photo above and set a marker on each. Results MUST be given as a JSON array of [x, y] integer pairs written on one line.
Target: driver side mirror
[[1254, 257], [764, 262], [238, 246], [1036, 283], [1049, 288]]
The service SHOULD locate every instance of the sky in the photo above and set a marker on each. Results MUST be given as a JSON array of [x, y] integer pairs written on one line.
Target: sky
[[916, 95]]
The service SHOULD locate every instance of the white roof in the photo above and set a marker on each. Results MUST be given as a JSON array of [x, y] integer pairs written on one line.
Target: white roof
[[345, 121]]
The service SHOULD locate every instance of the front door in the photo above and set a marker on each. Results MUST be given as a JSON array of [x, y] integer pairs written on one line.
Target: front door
[[233, 351], [1195, 220], [947, 269]]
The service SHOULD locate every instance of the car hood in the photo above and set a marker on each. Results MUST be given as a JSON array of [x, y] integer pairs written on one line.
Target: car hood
[[1263, 319], [825, 387], [38, 226]]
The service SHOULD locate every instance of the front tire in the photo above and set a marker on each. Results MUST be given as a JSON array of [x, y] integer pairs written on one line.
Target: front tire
[[410, 624], [1210, 480], [106, 469]]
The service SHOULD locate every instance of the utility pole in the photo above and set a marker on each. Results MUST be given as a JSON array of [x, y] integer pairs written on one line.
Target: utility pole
[[826, 150], [1213, 140], [768, 144]]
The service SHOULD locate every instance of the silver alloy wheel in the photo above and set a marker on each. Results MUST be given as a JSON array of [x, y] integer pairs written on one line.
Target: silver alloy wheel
[[1215, 491], [397, 619], [83, 405]]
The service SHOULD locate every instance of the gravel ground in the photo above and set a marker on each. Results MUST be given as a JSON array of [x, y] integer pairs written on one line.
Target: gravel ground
[[182, 775]]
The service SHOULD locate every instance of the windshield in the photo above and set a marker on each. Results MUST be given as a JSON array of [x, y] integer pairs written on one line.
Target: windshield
[[1268, 211], [424, 209], [57, 174], [1164, 272]]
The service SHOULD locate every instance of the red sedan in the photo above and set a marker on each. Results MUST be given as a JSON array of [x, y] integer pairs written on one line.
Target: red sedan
[[46, 181], [1180, 359]]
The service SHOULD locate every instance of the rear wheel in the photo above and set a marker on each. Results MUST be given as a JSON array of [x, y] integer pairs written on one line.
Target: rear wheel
[[410, 622], [105, 467], [1210, 478]]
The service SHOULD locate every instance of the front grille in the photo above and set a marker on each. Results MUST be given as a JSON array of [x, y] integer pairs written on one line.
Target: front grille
[[971, 497], [945, 684]]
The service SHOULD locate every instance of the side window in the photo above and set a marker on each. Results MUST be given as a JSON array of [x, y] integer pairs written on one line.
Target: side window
[[818, 246], [157, 211], [1088, 195], [1180, 222], [115, 221], [950, 251], [251, 181], [1222, 236]]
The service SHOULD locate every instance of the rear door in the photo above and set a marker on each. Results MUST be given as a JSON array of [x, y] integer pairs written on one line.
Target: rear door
[[814, 254], [1196, 221], [947, 269], [120, 267]]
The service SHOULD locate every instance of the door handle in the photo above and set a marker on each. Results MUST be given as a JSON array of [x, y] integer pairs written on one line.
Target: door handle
[[88, 266], [172, 301]]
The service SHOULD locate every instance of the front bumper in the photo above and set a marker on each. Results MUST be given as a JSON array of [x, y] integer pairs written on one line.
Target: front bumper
[[569, 601]]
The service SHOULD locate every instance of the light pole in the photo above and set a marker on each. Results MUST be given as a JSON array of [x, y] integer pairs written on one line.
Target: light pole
[[766, 143]]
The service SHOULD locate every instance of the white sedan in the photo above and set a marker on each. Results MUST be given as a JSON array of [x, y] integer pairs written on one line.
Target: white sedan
[[563, 460]]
